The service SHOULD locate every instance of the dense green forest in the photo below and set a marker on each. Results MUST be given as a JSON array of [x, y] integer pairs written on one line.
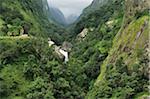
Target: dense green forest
[[108, 51]]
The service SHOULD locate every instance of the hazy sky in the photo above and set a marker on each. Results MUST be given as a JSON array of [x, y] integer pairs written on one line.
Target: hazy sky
[[69, 7]]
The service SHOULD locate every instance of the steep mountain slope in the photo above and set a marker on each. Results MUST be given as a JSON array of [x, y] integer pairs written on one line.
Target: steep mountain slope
[[92, 45], [91, 16], [30, 16], [95, 5], [24, 57], [128, 57], [14, 13], [57, 16], [123, 60]]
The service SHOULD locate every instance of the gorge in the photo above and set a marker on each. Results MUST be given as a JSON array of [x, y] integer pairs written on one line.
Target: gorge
[[101, 53]]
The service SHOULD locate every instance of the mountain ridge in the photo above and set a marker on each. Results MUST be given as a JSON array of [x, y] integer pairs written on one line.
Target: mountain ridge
[[57, 16]]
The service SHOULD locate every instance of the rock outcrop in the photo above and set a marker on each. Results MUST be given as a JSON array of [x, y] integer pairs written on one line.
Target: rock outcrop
[[83, 34]]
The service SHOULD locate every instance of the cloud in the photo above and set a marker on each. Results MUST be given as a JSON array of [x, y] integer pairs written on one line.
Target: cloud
[[69, 7]]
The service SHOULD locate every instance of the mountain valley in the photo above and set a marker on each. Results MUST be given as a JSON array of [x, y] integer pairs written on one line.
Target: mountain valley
[[102, 54]]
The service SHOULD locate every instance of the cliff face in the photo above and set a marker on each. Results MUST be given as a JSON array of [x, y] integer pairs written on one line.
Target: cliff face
[[130, 45], [134, 31]]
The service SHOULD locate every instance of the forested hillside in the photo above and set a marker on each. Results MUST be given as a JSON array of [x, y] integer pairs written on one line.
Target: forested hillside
[[108, 48], [30, 16], [124, 73]]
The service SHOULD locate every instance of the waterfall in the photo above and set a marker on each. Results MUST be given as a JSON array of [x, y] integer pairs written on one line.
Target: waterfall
[[65, 54], [59, 50]]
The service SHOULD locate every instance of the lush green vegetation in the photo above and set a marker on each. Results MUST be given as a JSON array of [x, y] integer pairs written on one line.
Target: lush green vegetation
[[93, 18], [122, 83], [109, 63], [28, 17], [131, 40]]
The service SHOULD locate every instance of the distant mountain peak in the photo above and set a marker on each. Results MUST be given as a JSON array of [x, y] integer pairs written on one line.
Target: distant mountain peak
[[56, 15]]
